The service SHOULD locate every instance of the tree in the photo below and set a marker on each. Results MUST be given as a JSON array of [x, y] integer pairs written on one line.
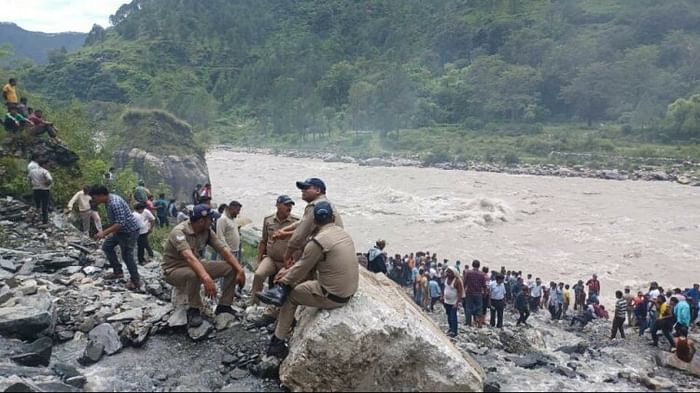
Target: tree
[[682, 120], [589, 93]]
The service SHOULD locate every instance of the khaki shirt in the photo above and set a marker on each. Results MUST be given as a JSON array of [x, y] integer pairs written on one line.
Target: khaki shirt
[[306, 227], [275, 249], [182, 238], [331, 253]]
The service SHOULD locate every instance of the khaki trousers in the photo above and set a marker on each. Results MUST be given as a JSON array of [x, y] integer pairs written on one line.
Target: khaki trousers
[[308, 293], [86, 217], [267, 267], [185, 279]]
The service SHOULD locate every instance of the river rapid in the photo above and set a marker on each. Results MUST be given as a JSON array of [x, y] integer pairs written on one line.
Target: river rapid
[[562, 229]]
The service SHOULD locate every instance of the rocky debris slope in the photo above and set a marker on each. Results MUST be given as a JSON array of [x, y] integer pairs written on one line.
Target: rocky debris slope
[[64, 328], [552, 356], [380, 341]]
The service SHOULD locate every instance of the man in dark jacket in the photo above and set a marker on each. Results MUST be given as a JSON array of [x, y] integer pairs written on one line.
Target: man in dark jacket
[[376, 258]]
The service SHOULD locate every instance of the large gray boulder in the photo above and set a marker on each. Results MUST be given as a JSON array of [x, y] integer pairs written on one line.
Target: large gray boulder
[[28, 317], [380, 341]]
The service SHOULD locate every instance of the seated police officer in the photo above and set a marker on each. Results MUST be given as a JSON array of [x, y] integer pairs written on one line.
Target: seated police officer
[[184, 268], [331, 254]]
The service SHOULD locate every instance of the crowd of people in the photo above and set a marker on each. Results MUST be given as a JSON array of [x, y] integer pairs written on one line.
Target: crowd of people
[[479, 290], [20, 117]]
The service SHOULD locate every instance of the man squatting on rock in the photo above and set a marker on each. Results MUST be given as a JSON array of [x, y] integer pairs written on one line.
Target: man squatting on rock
[[331, 255], [184, 268]]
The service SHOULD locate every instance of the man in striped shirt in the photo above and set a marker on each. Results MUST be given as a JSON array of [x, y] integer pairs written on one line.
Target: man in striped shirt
[[620, 315]]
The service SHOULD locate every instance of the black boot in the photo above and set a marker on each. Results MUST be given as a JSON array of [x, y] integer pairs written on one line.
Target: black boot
[[194, 318], [275, 296], [221, 309], [278, 348]]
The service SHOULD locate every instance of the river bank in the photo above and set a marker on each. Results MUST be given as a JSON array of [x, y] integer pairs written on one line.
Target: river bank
[[686, 173]]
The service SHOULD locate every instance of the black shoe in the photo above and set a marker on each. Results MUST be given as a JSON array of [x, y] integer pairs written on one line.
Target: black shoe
[[275, 296], [194, 318], [278, 348], [221, 309]]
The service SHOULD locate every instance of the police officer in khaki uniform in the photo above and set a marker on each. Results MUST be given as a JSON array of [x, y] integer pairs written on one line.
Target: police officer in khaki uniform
[[313, 191], [271, 251], [184, 269], [331, 255]]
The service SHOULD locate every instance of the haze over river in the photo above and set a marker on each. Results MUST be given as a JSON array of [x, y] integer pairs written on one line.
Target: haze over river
[[563, 229]]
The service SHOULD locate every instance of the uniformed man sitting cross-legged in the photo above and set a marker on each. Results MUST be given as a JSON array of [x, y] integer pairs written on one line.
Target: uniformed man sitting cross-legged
[[184, 268], [331, 254]]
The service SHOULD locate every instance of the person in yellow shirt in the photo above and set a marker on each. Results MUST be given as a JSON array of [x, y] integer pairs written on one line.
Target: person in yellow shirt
[[567, 298], [9, 92]]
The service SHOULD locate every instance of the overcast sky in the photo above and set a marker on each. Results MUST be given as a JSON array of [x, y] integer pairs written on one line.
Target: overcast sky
[[53, 16]]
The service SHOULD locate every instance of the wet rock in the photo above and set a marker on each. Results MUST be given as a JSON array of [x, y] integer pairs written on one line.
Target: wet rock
[[23, 386], [52, 265], [269, 367], [380, 322], [200, 333], [106, 335], [31, 316], [224, 321], [35, 354], [5, 295], [65, 371], [92, 354]]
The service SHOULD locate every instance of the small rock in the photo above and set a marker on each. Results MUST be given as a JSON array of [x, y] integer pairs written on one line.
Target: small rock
[[565, 371], [35, 354], [492, 387], [93, 353], [8, 265], [224, 321], [268, 368], [200, 333], [65, 371], [127, 316], [77, 381], [657, 383], [579, 348], [108, 337], [161, 377], [178, 318], [228, 359], [237, 374]]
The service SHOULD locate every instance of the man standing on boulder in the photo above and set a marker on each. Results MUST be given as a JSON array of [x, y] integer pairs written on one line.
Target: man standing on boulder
[[184, 268], [330, 254], [474, 286], [227, 229], [313, 191], [271, 251], [124, 232], [41, 181]]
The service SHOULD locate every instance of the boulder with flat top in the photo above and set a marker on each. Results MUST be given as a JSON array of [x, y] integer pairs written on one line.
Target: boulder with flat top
[[379, 341]]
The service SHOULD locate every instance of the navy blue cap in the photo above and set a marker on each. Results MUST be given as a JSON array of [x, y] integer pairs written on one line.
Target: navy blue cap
[[312, 182], [323, 211], [201, 211], [285, 200]]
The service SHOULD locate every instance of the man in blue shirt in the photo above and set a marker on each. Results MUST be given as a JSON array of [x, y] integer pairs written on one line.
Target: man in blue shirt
[[681, 312], [123, 232], [694, 294]]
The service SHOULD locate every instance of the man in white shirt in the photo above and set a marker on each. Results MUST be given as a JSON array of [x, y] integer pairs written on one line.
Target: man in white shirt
[[87, 213], [535, 295], [41, 182], [498, 301], [227, 229], [146, 221]]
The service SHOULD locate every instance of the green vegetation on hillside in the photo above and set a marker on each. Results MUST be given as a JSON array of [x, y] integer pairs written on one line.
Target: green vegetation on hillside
[[452, 77]]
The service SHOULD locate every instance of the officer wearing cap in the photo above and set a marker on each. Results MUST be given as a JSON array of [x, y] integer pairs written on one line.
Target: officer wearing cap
[[313, 191], [271, 250], [330, 254], [184, 268]]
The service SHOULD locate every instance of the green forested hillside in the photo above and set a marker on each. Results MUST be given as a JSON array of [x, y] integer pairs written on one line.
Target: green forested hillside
[[34, 46], [289, 68]]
